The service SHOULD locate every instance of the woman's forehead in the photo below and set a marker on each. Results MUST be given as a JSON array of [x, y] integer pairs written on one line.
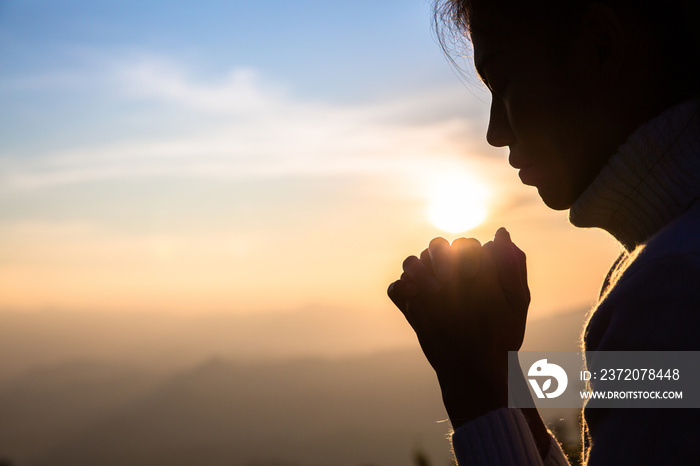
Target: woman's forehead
[[509, 52]]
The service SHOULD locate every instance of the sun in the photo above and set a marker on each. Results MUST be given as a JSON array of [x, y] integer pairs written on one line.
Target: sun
[[458, 203]]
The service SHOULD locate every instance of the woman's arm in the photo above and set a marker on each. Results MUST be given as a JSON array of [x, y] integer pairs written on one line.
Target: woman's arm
[[468, 306]]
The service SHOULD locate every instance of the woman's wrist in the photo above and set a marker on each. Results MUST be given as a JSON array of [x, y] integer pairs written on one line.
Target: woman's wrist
[[465, 402]]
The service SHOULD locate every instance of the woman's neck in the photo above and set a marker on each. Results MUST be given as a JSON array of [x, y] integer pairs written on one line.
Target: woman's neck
[[653, 178]]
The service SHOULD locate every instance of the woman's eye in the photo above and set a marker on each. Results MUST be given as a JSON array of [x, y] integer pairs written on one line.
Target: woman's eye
[[497, 86], [487, 83], [492, 88]]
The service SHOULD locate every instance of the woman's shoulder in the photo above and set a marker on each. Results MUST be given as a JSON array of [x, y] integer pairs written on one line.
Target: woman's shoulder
[[653, 303], [679, 237]]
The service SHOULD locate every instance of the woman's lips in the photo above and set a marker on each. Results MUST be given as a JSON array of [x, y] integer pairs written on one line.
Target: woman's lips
[[527, 175]]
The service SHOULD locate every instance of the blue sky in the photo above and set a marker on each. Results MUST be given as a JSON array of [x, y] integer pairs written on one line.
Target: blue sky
[[324, 49], [230, 156], [58, 58]]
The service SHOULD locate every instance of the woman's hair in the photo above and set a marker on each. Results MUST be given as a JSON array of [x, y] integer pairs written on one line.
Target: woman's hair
[[673, 23]]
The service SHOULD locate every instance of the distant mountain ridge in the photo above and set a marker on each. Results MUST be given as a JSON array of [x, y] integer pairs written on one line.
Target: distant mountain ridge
[[93, 401], [36, 340], [363, 410]]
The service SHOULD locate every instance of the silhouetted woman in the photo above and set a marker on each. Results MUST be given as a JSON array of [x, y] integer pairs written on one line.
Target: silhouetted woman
[[597, 102]]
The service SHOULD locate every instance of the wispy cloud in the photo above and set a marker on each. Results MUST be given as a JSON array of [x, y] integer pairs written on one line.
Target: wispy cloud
[[253, 129], [239, 92]]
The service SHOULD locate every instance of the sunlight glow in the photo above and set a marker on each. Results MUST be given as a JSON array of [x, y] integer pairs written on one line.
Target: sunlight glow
[[458, 203]]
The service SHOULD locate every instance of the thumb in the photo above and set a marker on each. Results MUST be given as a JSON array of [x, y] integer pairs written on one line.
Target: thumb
[[511, 268]]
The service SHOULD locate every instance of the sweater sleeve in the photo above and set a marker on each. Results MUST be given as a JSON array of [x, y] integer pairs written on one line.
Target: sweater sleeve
[[502, 437]]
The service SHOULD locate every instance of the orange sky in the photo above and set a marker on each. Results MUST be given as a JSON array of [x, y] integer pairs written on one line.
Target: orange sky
[[331, 238]]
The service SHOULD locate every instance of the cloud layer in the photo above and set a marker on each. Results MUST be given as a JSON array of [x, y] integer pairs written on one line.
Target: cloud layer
[[240, 125]]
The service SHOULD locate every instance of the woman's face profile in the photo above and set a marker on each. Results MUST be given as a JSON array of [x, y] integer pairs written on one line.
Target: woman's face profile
[[546, 109]]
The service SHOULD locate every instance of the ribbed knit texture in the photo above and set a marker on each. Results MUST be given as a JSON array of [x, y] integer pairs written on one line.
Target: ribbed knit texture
[[652, 179], [501, 438]]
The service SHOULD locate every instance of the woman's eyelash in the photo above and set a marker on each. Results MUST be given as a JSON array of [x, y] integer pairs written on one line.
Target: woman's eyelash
[[485, 82]]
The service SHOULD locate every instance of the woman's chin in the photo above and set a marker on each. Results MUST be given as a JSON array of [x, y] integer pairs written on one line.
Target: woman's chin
[[554, 199]]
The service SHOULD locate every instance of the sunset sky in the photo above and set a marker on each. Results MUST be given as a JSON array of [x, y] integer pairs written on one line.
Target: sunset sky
[[246, 156]]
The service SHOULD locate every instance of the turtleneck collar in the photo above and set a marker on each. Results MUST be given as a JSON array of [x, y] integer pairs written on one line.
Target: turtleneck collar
[[652, 179]]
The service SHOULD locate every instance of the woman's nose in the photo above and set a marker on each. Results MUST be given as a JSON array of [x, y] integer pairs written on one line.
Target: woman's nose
[[499, 133]]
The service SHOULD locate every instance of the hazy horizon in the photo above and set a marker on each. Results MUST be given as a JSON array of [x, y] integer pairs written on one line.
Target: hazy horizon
[[76, 388]]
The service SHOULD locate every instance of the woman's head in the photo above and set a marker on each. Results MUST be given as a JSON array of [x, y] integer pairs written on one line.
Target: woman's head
[[572, 79]]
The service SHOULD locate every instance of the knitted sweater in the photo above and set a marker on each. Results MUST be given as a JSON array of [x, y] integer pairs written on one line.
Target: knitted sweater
[[645, 197]]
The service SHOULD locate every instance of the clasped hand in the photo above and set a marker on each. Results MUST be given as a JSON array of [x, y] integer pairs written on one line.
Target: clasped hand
[[468, 304]]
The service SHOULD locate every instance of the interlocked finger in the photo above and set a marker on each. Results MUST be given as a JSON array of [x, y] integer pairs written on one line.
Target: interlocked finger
[[468, 254], [441, 259], [420, 275]]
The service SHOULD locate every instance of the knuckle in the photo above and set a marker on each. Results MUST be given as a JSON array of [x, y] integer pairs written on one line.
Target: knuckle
[[409, 262], [391, 290], [438, 242], [467, 243]]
